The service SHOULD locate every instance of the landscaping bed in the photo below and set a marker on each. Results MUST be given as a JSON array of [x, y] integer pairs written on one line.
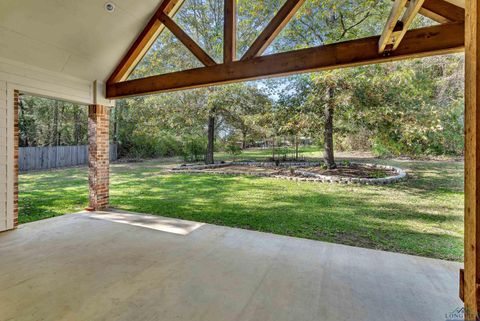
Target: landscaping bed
[[355, 173]]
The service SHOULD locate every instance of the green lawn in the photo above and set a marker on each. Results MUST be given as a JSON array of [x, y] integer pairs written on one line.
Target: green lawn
[[422, 216]]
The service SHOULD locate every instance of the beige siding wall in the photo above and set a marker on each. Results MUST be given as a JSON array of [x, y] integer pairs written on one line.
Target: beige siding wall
[[3, 155], [25, 79]]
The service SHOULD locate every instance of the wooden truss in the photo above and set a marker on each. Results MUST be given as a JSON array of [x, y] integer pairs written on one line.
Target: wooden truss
[[395, 43]]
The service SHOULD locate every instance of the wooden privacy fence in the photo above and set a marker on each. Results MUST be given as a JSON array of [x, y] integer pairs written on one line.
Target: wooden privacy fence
[[38, 158]]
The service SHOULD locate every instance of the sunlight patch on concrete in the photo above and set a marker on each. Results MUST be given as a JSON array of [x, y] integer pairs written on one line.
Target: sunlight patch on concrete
[[169, 225]]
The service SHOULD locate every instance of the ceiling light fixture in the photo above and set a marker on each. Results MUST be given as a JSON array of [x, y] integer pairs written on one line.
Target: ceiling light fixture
[[110, 7]]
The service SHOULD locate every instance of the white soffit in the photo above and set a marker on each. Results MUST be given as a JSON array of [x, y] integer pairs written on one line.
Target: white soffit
[[78, 38]]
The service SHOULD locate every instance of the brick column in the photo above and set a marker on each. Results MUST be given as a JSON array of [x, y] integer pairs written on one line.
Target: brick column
[[98, 156], [16, 102]]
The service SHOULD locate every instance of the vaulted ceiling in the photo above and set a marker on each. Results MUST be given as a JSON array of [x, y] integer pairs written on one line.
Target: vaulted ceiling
[[75, 37]]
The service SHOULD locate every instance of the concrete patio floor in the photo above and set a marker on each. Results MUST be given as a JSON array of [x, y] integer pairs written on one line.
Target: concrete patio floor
[[118, 266]]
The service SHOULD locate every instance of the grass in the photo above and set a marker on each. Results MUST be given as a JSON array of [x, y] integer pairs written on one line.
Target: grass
[[421, 216], [262, 154]]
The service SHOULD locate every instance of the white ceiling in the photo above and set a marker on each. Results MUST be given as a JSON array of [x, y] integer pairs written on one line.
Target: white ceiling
[[75, 37]]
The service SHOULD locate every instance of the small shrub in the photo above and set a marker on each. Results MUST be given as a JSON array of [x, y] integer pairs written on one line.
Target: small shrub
[[234, 150], [142, 146], [193, 149]]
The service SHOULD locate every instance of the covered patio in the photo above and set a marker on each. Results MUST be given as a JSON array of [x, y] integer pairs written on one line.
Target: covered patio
[[118, 266], [122, 266]]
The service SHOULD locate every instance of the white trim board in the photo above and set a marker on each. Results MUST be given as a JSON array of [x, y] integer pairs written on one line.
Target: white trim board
[[10, 157], [35, 81], [3, 165]]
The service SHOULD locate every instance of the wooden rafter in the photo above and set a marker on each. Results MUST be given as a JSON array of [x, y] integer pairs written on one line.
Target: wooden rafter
[[412, 10], [393, 26], [442, 11], [230, 31], [191, 45], [144, 41], [276, 25], [441, 39]]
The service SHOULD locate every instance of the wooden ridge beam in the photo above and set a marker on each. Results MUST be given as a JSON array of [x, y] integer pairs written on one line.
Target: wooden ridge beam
[[144, 41], [276, 25], [441, 39], [181, 35], [230, 31]]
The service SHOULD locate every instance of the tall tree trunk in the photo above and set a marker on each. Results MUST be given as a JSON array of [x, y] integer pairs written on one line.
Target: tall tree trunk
[[54, 136], [116, 115], [328, 133], [244, 139], [296, 147], [59, 131], [23, 132], [211, 138], [273, 147], [77, 125]]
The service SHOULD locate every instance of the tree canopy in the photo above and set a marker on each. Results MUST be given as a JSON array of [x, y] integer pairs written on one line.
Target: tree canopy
[[405, 108]]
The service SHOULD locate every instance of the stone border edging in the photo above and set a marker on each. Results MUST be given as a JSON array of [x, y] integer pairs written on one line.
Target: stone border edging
[[306, 176]]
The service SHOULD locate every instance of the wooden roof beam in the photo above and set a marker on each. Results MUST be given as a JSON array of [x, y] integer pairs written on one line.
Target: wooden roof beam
[[442, 11], [191, 45], [393, 26], [144, 41], [230, 31], [275, 26], [440, 39], [435, 9], [411, 12]]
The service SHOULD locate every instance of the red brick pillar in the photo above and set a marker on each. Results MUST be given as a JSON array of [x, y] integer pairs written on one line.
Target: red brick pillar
[[98, 156], [16, 102]]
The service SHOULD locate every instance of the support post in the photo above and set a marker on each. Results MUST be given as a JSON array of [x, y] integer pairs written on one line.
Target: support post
[[471, 275], [98, 156]]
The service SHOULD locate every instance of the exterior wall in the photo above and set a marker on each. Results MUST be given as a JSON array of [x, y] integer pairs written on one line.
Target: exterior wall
[[3, 156], [18, 78], [98, 156]]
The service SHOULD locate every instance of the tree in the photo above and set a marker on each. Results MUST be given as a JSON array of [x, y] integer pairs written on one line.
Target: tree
[[374, 104], [328, 134], [211, 137], [323, 22], [292, 118]]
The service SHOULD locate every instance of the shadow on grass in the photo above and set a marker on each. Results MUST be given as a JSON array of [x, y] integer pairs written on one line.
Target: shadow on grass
[[314, 211], [52, 193], [421, 216]]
